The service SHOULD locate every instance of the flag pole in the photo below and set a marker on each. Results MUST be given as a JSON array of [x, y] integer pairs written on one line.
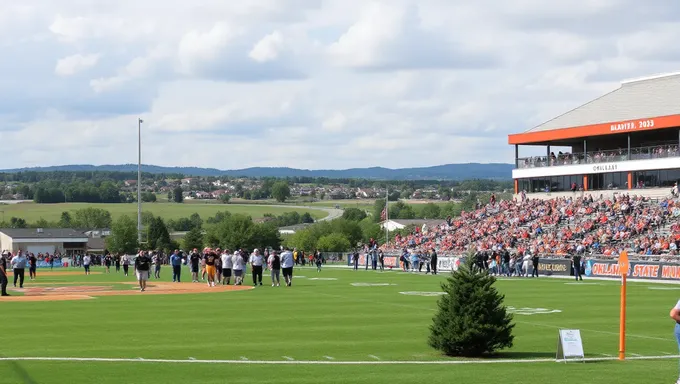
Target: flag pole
[[387, 215]]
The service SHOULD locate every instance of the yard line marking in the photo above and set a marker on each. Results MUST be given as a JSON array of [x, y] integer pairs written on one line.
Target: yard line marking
[[243, 358], [288, 358], [374, 357], [519, 322], [635, 354], [323, 362], [604, 354], [666, 353], [192, 358], [329, 357]]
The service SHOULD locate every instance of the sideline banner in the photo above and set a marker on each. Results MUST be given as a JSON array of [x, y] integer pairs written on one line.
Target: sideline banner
[[448, 263], [44, 264], [549, 267], [636, 269]]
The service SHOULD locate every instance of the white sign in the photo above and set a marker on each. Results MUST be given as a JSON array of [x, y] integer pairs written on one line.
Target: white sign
[[448, 263], [569, 345], [585, 169]]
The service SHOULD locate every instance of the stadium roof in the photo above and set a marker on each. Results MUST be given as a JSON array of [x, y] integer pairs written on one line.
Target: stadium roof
[[639, 104]]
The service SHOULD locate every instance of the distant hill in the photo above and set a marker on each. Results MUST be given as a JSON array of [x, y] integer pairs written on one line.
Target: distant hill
[[497, 171]]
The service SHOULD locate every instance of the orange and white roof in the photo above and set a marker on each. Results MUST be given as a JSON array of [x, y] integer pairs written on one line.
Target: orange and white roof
[[639, 104]]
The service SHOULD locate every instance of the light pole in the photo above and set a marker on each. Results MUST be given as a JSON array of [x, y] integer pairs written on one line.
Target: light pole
[[139, 180]]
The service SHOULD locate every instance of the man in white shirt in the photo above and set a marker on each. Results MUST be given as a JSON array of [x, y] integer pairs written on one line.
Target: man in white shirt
[[237, 266], [86, 264], [125, 260], [18, 264], [227, 265], [287, 263], [256, 262], [675, 315]]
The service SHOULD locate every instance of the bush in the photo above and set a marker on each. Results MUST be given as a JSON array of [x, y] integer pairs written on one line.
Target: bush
[[334, 242], [472, 320]]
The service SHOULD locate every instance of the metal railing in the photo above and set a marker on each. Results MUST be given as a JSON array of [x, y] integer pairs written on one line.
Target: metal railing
[[595, 157]]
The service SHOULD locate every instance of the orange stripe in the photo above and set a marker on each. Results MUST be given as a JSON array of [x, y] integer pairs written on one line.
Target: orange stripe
[[637, 125]]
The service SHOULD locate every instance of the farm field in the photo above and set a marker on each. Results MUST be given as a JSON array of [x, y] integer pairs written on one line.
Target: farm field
[[335, 326], [32, 212]]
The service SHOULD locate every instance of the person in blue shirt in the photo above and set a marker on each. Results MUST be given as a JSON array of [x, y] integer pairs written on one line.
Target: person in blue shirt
[[176, 262]]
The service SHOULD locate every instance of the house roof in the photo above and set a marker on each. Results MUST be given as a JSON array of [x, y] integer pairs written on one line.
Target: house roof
[[47, 233], [650, 98], [96, 243]]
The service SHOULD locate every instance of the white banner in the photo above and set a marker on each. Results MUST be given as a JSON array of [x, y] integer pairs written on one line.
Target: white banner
[[448, 263]]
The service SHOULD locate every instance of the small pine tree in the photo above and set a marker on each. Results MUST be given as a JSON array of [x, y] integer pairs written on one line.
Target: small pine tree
[[472, 320]]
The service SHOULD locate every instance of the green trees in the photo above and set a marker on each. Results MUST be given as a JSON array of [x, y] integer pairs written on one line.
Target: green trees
[[354, 214], [239, 231], [177, 195], [431, 211], [158, 236], [280, 191], [89, 218], [309, 238], [471, 320], [333, 242], [224, 198], [123, 238], [193, 239], [148, 197]]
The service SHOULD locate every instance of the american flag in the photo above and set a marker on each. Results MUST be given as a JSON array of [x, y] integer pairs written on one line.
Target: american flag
[[383, 214]]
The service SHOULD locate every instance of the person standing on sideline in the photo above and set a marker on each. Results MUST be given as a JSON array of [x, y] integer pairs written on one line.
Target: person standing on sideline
[[274, 262], [176, 262], [355, 259], [194, 259], [381, 260], [237, 266], [116, 260], [142, 270], [3, 275], [534, 260], [576, 263], [18, 263], [256, 263], [125, 260], [218, 266], [86, 264], [433, 261], [32, 266], [287, 264]]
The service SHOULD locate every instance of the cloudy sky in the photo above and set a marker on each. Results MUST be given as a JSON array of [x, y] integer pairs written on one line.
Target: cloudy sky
[[309, 83]]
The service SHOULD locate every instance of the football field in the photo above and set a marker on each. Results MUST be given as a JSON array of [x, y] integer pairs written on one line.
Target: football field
[[336, 326]]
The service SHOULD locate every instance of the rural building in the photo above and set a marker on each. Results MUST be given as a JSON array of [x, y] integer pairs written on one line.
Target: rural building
[[291, 229], [43, 240]]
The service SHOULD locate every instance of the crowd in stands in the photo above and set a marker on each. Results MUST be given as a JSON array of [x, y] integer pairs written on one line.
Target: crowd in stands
[[560, 227], [621, 154]]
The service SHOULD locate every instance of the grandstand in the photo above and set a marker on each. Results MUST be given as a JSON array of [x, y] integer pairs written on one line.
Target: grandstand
[[626, 139]]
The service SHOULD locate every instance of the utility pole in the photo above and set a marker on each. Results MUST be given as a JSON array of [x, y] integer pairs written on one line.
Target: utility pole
[[139, 180]]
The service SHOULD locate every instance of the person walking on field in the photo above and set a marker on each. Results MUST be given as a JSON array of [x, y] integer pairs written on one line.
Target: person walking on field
[[3, 275], [576, 263], [433, 261], [237, 266], [227, 265], [176, 262], [125, 260], [287, 263], [256, 263], [209, 260], [32, 266], [319, 261], [142, 270], [675, 315], [156, 265], [116, 260], [18, 263], [218, 266], [86, 264], [194, 259], [274, 262]]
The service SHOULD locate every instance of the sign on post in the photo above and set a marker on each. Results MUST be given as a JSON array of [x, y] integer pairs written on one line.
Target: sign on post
[[569, 345]]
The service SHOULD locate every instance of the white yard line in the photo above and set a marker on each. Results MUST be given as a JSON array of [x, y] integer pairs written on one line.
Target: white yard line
[[288, 358], [606, 355], [192, 358], [374, 357], [322, 362], [329, 357], [243, 358], [635, 355]]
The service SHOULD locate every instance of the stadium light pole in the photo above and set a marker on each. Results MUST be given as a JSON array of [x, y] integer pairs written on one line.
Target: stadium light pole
[[139, 180]]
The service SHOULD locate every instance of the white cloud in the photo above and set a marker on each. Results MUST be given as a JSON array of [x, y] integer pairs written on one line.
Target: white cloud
[[311, 83], [76, 63], [268, 48]]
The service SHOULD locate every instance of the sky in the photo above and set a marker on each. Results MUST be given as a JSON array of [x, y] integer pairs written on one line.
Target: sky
[[314, 84]]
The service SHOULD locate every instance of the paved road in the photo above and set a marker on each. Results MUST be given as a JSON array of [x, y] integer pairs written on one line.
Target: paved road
[[333, 213]]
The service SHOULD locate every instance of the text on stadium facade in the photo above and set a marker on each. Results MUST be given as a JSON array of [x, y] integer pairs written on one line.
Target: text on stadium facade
[[632, 125]]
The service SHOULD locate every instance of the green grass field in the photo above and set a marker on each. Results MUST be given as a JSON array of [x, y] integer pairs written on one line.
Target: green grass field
[[52, 212], [330, 325]]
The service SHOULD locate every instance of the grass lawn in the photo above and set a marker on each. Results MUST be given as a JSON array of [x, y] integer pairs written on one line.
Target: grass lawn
[[52, 212], [327, 323]]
